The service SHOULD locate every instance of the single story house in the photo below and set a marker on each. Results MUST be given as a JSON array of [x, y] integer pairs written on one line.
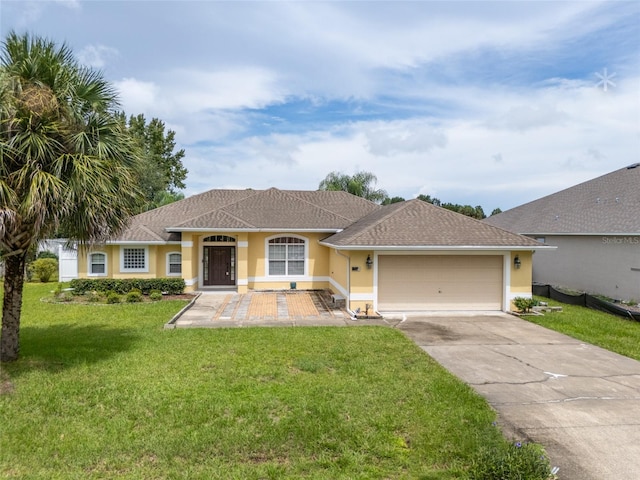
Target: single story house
[[400, 257], [596, 227]]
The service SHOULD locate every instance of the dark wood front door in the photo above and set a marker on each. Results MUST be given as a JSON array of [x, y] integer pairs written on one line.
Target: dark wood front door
[[219, 266]]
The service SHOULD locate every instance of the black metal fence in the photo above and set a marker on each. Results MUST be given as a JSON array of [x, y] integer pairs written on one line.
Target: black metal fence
[[585, 300]]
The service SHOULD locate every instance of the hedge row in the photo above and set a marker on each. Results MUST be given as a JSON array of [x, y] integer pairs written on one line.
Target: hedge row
[[171, 286]]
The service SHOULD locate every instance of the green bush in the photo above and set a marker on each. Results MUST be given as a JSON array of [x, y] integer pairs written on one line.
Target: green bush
[[155, 295], [134, 296], [47, 254], [113, 297], [65, 297], [93, 297], [517, 461], [44, 269], [524, 304], [172, 286]]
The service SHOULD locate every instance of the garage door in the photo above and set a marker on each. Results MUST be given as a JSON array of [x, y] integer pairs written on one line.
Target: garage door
[[423, 282]]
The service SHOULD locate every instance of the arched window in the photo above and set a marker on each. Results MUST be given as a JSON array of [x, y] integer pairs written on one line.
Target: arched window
[[97, 264], [219, 239], [286, 256], [174, 264]]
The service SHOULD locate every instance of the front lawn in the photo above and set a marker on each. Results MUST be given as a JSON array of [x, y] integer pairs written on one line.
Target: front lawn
[[105, 392], [598, 328]]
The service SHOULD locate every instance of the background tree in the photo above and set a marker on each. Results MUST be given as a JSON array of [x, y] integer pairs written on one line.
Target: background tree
[[161, 173], [66, 162], [495, 211], [468, 210], [361, 184], [390, 200]]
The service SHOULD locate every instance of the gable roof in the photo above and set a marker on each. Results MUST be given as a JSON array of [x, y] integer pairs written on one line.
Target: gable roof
[[248, 210], [609, 204], [416, 224]]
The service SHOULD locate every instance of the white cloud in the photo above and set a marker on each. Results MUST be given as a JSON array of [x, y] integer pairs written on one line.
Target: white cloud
[[244, 87], [96, 55], [137, 96], [462, 160], [417, 136]]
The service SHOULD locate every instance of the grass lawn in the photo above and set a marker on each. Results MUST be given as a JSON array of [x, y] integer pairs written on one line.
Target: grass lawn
[[598, 328], [102, 391]]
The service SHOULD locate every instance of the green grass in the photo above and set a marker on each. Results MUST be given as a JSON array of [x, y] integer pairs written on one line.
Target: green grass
[[598, 328], [102, 391]]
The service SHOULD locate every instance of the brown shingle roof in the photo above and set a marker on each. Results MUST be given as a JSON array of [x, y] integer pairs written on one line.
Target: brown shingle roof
[[605, 205], [248, 210], [415, 223]]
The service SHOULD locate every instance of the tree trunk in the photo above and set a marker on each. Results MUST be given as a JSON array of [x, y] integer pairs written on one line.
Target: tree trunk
[[12, 306]]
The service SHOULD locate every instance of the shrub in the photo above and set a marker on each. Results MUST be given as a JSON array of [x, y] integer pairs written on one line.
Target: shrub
[[65, 297], [155, 295], [113, 297], [134, 296], [93, 297], [515, 462], [173, 286], [524, 304], [44, 268]]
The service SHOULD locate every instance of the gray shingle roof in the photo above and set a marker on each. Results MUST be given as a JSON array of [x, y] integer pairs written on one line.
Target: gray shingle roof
[[248, 210], [605, 205], [415, 223]]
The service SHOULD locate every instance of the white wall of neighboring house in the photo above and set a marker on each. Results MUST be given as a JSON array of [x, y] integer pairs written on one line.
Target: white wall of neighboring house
[[599, 264]]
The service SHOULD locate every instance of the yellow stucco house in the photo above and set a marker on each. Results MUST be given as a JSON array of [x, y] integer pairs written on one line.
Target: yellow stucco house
[[407, 256]]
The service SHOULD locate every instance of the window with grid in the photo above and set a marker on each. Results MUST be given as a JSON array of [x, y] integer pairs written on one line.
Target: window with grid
[[286, 256], [97, 264], [174, 261], [134, 259]]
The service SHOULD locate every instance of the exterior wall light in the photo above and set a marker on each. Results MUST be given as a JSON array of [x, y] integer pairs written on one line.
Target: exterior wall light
[[369, 262], [516, 262]]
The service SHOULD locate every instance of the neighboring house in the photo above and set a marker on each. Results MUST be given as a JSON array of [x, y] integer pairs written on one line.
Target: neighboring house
[[404, 256], [596, 227]]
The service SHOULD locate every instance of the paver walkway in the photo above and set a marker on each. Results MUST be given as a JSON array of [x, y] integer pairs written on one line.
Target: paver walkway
[[282, 308]]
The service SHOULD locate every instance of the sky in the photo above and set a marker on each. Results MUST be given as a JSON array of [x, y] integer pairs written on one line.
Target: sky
[[482, 103]]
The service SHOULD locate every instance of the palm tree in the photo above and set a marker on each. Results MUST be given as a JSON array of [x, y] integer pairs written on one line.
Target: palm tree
[[65, 161], [361, 184]]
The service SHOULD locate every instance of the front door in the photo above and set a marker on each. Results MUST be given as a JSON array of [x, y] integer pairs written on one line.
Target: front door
[[219, 266]]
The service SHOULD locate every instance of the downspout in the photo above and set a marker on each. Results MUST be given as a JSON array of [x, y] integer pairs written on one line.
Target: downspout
[[348, 300]]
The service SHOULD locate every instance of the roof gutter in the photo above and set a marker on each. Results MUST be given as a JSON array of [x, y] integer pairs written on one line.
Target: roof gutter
[[426, 248], [252, 230]]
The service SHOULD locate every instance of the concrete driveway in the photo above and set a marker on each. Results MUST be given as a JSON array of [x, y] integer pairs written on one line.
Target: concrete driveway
[[581, 402]]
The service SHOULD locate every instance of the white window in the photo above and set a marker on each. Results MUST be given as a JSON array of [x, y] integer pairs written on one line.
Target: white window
[[174, 264], [286, 256], [134, 259], [97, 264]]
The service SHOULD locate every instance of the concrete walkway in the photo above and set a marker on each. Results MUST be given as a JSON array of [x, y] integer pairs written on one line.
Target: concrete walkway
[[581, 402]]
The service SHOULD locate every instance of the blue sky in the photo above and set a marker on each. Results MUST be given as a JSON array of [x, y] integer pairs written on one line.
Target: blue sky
[[482, 103]]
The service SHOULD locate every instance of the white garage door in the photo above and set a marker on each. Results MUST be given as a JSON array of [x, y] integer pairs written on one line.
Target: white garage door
[[424, 282]]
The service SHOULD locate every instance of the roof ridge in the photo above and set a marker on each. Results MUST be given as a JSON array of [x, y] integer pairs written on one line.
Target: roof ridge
[[148, 230], [387, 211], [210, 212], [221, 207], [291, 194]]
